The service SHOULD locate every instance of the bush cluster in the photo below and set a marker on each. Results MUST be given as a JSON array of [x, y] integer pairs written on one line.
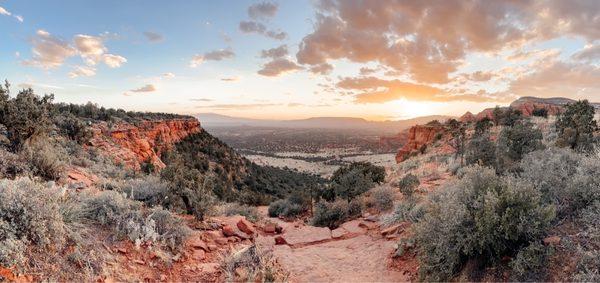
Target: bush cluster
[[30, 215], [481, 216], [408, 184], [333, 214], [380, 198], [130, 220]]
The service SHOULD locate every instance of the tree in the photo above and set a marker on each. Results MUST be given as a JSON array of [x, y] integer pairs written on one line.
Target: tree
[[481, 150], [459, 136], [497, 115], [352, 184], [408, 184], [26, 117], [540, 112], [375, 173], [576, 126], [516, 141], [482, 126]]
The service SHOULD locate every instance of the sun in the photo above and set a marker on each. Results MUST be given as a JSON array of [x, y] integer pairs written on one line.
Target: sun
[[406, 109]]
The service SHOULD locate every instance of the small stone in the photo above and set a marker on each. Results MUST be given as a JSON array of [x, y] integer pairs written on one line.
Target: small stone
[[138, 261], [552, 240], [228, 231], [246, 227], [280, 241], [221, 241], [163, 277], [390, 230], [269, 228], [122, 250]]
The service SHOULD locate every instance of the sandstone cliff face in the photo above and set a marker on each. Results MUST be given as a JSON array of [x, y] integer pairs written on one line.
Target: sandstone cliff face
[[133, 145], [418, 136]]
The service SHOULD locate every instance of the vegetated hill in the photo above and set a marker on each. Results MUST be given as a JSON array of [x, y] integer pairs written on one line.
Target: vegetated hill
[[211, 120], [419, 137]]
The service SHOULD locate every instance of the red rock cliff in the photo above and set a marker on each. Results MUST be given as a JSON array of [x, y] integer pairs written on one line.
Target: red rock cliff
[[418, 136], [133, 145]]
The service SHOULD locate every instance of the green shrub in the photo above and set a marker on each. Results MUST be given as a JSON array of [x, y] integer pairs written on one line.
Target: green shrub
[[481, 150], [250, 212], [479, 216], [285, 208], [330, 214], [129, 220], [29, 216], [531, 262], [74, 128], [44, 160], [381, 198], [515, 142], [588, 267], [333, 214], [12, 165], [576, 126], [408, 210], [408, 184], [551, 172], [584, 188], [150, 190]]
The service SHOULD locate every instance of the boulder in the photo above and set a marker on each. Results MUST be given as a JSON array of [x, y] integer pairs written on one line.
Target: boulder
[[279, 240], [270, 228], [246, 226], [228, 231]]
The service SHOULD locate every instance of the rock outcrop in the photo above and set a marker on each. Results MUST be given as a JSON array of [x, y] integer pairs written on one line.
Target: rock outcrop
[[418, 137], [143, 142]]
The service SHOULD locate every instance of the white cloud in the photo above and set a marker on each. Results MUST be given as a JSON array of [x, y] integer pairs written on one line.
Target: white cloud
[[144, 89], [4, 12], [113, 61], [216, 55], [82, 71], [19, 18]]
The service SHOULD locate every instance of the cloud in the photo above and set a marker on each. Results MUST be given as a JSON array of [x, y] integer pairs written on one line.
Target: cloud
[[575, 80], [259, 28], [321, 69], [201, 99], [278, 67], [230, 79], [262, 10], [589, 53], [19, 18], [91, 48], [478, 76], [168, 75], [144, 89], [82, 71], [238, 106], [48, 51], [216, 55], [365, 71], [414, 38], [4, 12], [113, 61], [153, 36], [274, 53], [375, 90]]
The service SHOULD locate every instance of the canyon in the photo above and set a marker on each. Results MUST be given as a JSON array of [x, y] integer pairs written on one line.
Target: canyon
[[135, 144]]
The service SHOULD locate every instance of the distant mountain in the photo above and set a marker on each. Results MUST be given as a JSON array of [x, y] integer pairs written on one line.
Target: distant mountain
[[559, 101], [212, 120]]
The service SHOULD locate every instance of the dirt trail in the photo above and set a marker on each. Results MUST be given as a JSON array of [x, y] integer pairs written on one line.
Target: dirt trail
[[355, 252]]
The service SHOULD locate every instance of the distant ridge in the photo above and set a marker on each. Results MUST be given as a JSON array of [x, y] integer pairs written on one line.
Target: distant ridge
[[209, 120]]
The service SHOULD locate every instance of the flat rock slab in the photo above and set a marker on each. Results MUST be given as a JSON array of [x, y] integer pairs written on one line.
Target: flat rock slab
[[348, 229], [358, 259], [306, 235]]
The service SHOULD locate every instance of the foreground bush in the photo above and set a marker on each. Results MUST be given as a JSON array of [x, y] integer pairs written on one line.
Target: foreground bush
[[408, 210], [128, 220], [333, 214], [480, 216], [380, 198], [530, 263], [408, 184], [30, 216], [250, 212]]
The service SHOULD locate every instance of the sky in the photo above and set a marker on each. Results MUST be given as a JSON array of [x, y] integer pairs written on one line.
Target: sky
[[378, 60]]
